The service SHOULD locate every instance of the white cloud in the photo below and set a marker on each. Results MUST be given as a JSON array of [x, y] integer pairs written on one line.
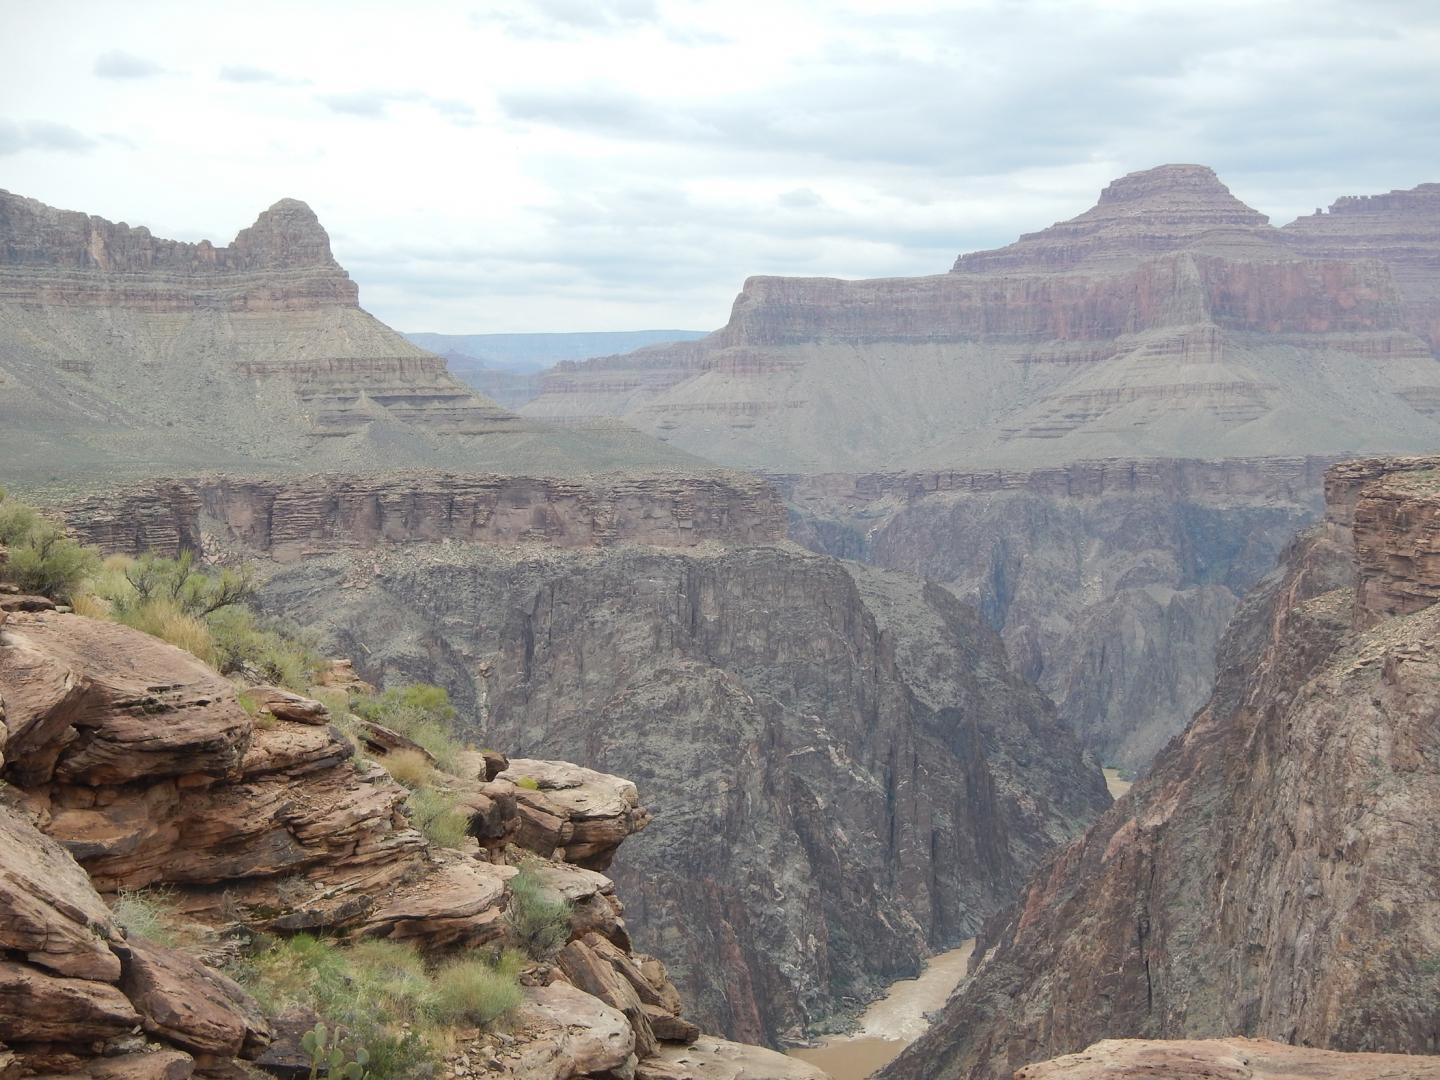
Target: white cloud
[[553, 164]]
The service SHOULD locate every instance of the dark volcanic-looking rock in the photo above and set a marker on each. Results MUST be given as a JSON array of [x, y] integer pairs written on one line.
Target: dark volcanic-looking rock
[[845, 771], [1110, 581], [1275, 875]]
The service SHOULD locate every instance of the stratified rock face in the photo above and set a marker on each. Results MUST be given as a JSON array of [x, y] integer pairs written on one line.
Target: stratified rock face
[[1396, 521], [1274, 876], [1226, 1059], [295, 517], [124, 353], [845, 771], [1170, 320], [1402, 229], [1143, 214], [1111, 582]]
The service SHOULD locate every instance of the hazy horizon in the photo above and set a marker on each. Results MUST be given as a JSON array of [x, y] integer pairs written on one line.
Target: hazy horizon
[[561, 166]]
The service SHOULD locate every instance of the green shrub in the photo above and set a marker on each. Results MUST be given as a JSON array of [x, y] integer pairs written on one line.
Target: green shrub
[[538, 918], [470, 991], [17, 521], [195, 592], [146, 913], [422, 713], [379, 995], [278, 658], [164, 619], [46, 561], [436, 814], [529, 783]]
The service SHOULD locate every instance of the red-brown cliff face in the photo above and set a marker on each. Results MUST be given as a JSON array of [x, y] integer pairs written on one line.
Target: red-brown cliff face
[[1401, 229], [1275, 876]]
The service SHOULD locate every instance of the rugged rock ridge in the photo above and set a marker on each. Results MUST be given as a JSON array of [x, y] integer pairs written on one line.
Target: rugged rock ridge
[[292, 517], [1274, 876], [140, 768], [848, 772], [1110, 581], [1168, 320]]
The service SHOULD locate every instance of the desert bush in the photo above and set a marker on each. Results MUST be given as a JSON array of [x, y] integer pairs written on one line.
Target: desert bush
[[471, 991], [529, 783], [438, 817], [537, 918], [46, 561], [409, 767], [241, 643], [422, 713], [17, 520], [146, 913], [381, 996], [164, 619]]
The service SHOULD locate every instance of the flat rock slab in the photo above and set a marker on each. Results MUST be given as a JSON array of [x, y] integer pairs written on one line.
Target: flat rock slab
[[568, 1033], [710, 1058], [1227, 1059]]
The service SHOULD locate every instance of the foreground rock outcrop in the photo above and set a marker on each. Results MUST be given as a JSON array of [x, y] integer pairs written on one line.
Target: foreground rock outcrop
[[1276, 874], [130, 765], [848, 772]]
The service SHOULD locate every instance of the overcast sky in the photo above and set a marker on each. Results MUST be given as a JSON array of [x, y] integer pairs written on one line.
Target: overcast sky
[[625, 164]]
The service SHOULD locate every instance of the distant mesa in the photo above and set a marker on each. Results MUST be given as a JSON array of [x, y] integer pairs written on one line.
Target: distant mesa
[[121, 352], [1169, 320]]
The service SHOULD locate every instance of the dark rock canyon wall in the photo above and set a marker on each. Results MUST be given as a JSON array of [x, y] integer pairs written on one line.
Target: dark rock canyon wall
[[845, 771], [1275, 875]]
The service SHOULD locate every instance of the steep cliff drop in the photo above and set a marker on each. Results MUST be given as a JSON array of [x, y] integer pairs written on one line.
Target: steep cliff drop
[[132, 769], [1102, 434], [1275, 876]]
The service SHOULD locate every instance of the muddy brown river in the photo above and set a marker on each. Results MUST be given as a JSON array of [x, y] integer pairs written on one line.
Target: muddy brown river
[[900, 1017], [892, 1023]]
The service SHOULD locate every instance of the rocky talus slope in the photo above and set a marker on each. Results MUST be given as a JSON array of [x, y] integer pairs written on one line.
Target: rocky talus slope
[[121, 352], [847, 772], [1110, 581], [1277, 874], [1170, 320], [130, 764]]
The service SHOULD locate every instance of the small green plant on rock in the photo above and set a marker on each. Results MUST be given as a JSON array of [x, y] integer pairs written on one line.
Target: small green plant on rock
[[329, 1059], [538, 917], [438, 816]]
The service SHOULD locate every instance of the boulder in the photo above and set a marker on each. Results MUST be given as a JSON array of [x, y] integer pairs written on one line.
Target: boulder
[[288, 705], [193, 1006], [709, 1058], [567, 1033], [36, 1007]]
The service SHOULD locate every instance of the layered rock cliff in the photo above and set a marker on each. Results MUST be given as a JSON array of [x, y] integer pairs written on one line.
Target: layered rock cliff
[[1110, 581], [293, 517], [848, 773], [124, 353], [1275, 875], [1169, 320], [131, 765]]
